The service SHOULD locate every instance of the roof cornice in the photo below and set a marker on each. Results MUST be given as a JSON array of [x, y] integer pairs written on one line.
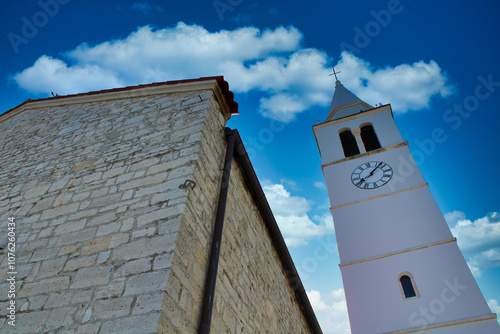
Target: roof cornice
[[241, 155], [216, 84]]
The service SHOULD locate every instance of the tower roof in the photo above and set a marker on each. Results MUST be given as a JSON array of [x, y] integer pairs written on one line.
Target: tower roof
[[345, 103]]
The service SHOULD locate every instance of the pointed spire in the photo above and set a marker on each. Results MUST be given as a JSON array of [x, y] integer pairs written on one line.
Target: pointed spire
[[345, 103]]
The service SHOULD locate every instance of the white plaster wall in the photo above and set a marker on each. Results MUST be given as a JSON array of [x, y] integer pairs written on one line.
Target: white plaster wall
[[388, 224], [328, 139], [341, 190], [447, 291], [482, 327]]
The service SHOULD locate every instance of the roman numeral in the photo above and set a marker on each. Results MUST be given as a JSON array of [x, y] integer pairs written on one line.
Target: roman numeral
[[359, 184]]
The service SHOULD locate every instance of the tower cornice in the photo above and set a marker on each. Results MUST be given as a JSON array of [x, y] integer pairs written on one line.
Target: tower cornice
[[363, 155], [355, 116]]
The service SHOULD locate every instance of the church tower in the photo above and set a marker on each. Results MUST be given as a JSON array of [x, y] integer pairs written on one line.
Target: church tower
[[401, 267]]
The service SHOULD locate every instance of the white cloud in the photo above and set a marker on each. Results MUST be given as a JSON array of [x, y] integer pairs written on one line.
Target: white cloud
[[331, 311], [480, 235], [476, 272], [53, 75], [271, 61], [282, 203], [291, 183], [291, 213], [406, 87], [320, 185], [452, 218], [146, 55], [494, 306], [479, 240]]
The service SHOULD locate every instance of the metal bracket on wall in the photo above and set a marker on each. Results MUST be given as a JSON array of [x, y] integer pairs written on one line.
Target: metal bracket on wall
[[188, 184]]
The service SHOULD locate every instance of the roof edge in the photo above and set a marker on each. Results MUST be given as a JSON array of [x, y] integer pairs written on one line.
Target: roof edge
[[258, 195], [131, 91]]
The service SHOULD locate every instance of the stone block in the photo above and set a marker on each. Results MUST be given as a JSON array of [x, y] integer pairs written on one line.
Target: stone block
[[102, 219], [82, 297], [51, 267], [58, 185], [99, 192], [30, 322], [145, 181], [103, 257], [144, 324], [147, 232], [128, 194], [60, 317], [69, 227], [147, 282], [92, 177], [58, 299], [104, 243], [76, 237], [112, 308], [89, 328], [68, 249], [91, 276], [148, 302], [134, 267], [109, 228], [114, 172], [60, 211], [36, 302], [79, 262], [112, 290], [44, 286], [44, 254], [124, 178], [163, 261], [43, 204], [36, 191], [63, 198], [144, 247]]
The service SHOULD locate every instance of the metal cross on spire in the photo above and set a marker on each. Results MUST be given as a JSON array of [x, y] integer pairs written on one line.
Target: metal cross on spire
[[335, 74]]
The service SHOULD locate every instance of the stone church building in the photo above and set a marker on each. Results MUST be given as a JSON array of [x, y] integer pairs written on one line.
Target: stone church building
[[119, 198]]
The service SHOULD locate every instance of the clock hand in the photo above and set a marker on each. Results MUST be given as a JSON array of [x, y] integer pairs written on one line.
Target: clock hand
[[361, 181], [374, 169]]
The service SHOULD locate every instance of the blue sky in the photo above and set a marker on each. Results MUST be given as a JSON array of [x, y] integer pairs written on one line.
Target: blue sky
[[435, 62]]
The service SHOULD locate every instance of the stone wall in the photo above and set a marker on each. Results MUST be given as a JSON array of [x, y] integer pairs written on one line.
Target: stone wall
[[114, 203], [253, 294], [95, 192]]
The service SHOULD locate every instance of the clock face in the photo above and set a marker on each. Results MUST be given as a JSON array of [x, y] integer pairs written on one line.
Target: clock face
[[371, 175]]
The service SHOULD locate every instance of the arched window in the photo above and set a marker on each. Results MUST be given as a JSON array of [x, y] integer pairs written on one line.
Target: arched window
[[349, 144], [407, 286], [369, 138]]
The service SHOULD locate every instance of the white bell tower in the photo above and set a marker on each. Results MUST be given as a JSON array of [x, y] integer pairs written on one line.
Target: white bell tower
[[401, 266]]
